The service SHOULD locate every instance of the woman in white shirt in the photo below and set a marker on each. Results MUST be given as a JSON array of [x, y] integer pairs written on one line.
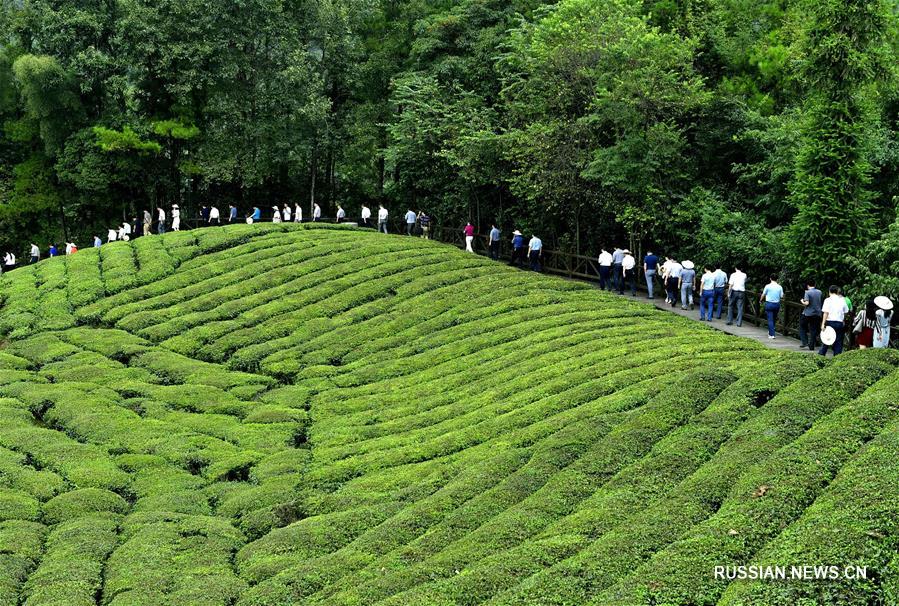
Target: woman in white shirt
[[276, 214]]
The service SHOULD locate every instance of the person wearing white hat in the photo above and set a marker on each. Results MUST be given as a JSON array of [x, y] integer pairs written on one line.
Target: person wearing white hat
[[276, 214], [687, 284], [882, 328], [628, 273], [176, 218], [605, 269], [833, 315], [518, 253]]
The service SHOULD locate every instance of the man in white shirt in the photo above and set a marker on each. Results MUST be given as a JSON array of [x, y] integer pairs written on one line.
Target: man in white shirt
[[286, 213], [297, 214], [736, 296], [833, 314], [605, 269], [316, 211], [382, 218], [35, 253], [112, 235], [9, 261], [672, 281], [160, 222], [410, 221], [535, 252], [365, 215], [126, 230], [628, 273], [214, 216], [341, 214]]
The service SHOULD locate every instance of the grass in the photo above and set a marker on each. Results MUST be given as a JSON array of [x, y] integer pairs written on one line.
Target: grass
[[277, 414]]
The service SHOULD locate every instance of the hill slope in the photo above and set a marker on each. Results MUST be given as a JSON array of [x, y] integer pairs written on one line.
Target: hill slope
[[282, 415]]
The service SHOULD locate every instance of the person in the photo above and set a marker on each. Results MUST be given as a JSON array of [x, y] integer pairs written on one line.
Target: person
[[97, 242], [849, 320], [535, 252], [214, 216], [382, 218], [232, 213], [286, 213], [736, 296], [628, 273], [810, 319], [884, 316], [772, 295], [316, 211], [706, 294], [9, 262], [650, 265], [663, 271], [176, 218], [617, 258], [256, 215], [517, 249], [411, 217], [35, 253], [52, 251], [365, 215], [148, 222], [276, 214], [493, 244], [204, 214], [73, 248], [138, 227], [160, 221], [672, 281], [425, 221], [833, 314], [720, 284], [341, 214], [120, 235], [686, 284], [297, 213], [69, 245], [112, 235], [126, 230], [605, 269], [863, 325], [468, 230]]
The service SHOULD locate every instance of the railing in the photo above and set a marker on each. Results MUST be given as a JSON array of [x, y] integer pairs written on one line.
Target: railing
[[581, 267]]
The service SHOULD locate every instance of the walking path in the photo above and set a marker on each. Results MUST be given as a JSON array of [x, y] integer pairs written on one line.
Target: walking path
[[747, 330]]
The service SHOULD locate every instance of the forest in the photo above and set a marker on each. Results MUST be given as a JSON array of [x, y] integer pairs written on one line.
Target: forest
[[753, 132]]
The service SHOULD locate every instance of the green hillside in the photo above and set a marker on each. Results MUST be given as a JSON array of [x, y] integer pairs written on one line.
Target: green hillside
[[274, 414]]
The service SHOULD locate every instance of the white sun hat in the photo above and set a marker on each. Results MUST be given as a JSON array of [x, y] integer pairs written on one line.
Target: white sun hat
[[829, 336], [883, 303], [688, 264]]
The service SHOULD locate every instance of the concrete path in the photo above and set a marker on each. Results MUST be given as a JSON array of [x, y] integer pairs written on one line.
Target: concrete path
[[747, 330]]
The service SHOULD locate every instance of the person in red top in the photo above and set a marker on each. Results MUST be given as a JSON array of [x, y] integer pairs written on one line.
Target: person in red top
[[469, 237]]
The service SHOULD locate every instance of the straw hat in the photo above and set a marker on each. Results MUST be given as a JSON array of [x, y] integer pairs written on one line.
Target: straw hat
[[883, 303], [688, 264], [829, 336]]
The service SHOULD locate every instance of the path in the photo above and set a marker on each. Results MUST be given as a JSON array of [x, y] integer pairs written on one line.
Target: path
[[747, 330]]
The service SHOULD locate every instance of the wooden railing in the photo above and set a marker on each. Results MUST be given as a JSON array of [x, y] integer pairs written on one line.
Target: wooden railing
[[581, 267]]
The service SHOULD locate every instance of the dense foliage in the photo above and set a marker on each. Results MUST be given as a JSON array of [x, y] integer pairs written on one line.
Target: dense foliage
[[275, 415], [764, 131]]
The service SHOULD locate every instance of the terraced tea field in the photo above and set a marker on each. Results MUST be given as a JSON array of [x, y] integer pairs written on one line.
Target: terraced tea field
[[263, 415]]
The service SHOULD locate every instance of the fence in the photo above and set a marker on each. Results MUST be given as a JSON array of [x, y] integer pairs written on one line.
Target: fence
[[581, 267]]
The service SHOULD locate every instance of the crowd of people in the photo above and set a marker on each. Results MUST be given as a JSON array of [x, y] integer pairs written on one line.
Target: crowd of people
[[823, 320]]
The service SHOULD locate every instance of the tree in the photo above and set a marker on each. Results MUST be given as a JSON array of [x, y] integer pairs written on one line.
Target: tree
[[843, 59]]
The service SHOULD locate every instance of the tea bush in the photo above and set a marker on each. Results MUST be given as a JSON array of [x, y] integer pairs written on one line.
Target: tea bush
[[279, 414]]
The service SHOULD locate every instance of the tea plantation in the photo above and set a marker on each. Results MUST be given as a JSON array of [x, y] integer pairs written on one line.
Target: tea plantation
[[278, 414]]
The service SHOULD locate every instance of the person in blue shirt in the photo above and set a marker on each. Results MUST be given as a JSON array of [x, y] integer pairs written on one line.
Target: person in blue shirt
[[257, 215], [52, 250], [410, 222], [518, 251], [232, 213], [707, 295], [771, 296], [493, 243], [650, 265], [720, 284]]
